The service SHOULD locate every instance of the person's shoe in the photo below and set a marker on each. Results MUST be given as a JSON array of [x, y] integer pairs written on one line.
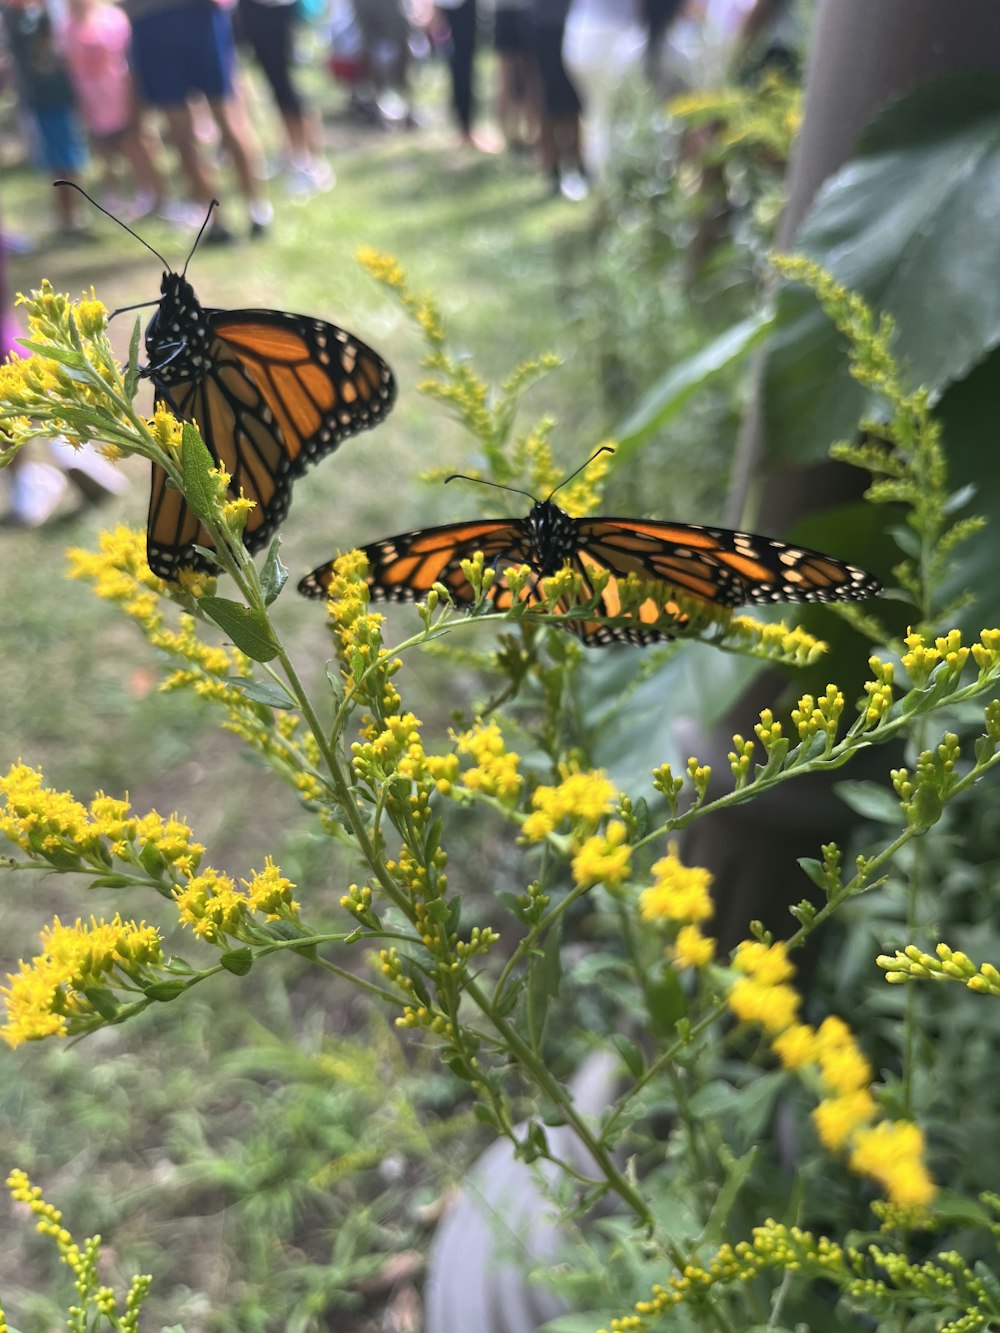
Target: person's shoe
[[94, 477], [573, 186], [261, 217], [218, 234], [304, 180], [35, 492]]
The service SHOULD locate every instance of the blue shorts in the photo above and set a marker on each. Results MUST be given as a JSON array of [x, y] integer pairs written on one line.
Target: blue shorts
[[61, 145], [183, 50]]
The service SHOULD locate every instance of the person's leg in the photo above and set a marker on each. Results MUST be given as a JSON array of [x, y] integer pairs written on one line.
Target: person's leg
[[180, 127], [462, 21]]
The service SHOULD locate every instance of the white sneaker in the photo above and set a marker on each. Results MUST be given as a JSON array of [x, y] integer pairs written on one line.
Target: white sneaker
[[302, 181], [93, 476], [35, 492]]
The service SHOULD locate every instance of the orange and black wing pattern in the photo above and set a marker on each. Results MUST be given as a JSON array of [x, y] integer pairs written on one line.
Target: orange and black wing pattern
[[405, 568], [712, 566], [270, 393], [719, 566]]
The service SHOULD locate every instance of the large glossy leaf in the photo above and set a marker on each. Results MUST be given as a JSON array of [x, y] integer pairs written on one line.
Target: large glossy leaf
[[678, 386], [911, 223]]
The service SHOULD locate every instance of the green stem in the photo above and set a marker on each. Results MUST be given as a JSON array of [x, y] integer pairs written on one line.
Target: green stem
[[554, 1090]]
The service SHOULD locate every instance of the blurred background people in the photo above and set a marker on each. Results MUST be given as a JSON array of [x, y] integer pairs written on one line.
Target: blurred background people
[[269, 28], [95, 37], [46, 97], [181, 48], [517, 79], [560, 139], [604, 43]]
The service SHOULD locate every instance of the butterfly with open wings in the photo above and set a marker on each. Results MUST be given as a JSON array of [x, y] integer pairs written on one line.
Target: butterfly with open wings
[[710, 565]]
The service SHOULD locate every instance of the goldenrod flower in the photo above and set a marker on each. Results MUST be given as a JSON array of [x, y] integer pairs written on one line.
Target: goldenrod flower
[[603, 858], [774, 1008], [269, 892], [495, 771], [692, 948], [678, 892], [211, 905], [49, 996], [768, 964], [583, 797], [892, 1153], [44, 822], [842, 1066], [796, 1046], [837, 1118]]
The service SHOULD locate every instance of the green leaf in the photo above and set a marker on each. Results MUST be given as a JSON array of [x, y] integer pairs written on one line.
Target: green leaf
[[896, 223], [544, 977], [815, 869], [249, 630], [667, 1002], [274, 575], [632, 1057], [103, 1000], [132, 369], [237, 961], [165, 990], [196, 463], [665, 400], [68, 359], [267, 692], [870, 800]]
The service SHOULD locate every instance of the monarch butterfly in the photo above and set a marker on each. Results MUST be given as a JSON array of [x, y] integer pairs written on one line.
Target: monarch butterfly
[[711, 565], [270, 391]]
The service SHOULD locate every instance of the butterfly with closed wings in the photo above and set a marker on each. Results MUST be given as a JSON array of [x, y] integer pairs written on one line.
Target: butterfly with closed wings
[[709, 565], [270, 392]]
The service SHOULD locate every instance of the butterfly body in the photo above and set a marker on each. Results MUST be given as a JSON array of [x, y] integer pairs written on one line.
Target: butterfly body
[[270, 391], [711, 565]]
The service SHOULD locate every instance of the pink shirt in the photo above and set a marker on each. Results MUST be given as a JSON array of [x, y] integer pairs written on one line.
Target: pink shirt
[[96, 51]]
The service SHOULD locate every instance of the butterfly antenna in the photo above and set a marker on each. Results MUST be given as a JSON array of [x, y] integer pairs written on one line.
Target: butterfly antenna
[[604, 449], [124, 226], [201, 232], [497, 485]]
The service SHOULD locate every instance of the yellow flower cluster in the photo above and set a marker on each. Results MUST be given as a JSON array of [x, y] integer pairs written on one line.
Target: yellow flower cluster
[[603, 858], [49, 1217], [680, 895], [920, 659], [774, 641], [890, 1152], [55, 827], [83, 1262], [819, 716], [761, 993], [395, 750], [945, 964], [76, 392], [50, 995], [494, 771], [879, 691], [44, 822], [358, 630], [583, 798], [119, 573], [213, 907]]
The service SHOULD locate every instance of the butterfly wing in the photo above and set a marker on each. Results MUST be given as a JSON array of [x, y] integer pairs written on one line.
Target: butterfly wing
[[278, 392], [405, 568], [719, 566]]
